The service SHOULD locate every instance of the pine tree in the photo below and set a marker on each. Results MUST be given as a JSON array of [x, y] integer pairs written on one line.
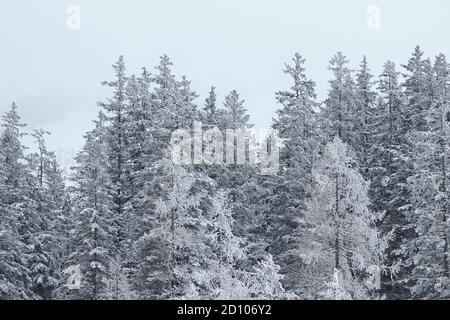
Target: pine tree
[[430, 193], [210, 109], [139, 153], [296, 124], [226, 280], [48, 196], [186, 109], [388, 174], [418, 91], [116, 151], [173, 104], [340, 104], [342, 236], [15, 282], [235, 119], [172, 251], [365, 98], [119, 174], [92, 243], [265, 282], [236, 114]]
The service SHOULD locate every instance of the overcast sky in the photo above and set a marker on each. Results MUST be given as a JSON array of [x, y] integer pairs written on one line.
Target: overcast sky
[[53, 72]]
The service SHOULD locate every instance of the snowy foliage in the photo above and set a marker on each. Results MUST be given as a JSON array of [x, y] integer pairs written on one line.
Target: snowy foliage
[[363, 187]]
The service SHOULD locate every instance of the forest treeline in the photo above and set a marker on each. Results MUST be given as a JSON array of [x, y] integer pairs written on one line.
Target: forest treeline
[[358, 209]]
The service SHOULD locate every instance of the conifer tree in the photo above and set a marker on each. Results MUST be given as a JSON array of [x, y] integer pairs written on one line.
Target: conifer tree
[[15, 281], [297, 127], [342, 237], [388, 173], [93, 231], [430, 193], [365, 99], [340, 104]]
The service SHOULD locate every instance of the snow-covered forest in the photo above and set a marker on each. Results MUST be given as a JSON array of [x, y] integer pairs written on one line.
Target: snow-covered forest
[[358, 209]]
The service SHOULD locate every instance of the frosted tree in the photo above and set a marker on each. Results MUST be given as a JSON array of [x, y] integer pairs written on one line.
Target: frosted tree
[[124, 133], [365, 98], [235, 178], [265, 281], [186, 109], [92, 245], [58, 204], [418, 93], [417, 86], [15, 282], [342, 236], [172, 249], [210, 108], [388, 174], [163, 102], [47, 245], [116, 151], [221, 275], [297, 127], [235, 111], [139, 150], [340, 104], [226, 280], [171, 107], [173, 103], [430, 193], [32, 199], [248, 192]]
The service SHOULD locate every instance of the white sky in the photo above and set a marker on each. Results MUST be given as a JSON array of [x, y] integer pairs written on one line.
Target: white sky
[[54, 73]]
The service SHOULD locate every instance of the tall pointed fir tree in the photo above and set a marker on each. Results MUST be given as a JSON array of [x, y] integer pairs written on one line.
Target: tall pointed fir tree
[[118, 177], [139, 151], [47, 244], [235, 111], [173, 104], [340, 104], [365, 99], [92, 244], [418, 99], [241, 178], [430, 192], [233, 122], [388, 174], [297, 128], [210, 111], [15, 282], [186, 109], [116, 138]]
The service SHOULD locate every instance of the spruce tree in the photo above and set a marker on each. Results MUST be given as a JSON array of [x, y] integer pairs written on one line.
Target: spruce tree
[[388, 173], [15, 281], [340, 104], [365, 99], [430, 193], [297, 128], [93, 229]]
